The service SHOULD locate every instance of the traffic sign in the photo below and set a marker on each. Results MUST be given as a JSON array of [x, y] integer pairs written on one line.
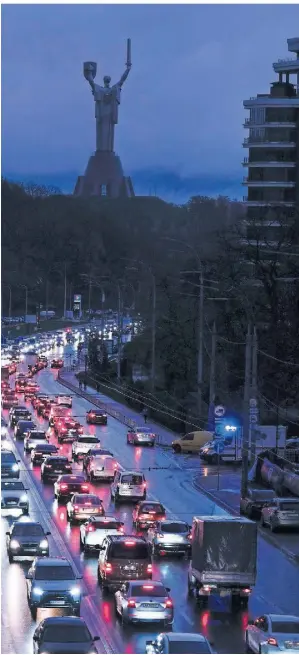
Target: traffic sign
[[253, 418], [253, 402], [219, 411], [219, 447]]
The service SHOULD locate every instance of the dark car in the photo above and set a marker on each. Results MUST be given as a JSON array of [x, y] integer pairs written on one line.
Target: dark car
[[18, 414], [254, 501], [27, 539], [9, 400], [123, 558], [63, 634], [96, 417], [51, 582], [41, 452], [20, 385], [9, 465], [147, 513], [66, 485], [57, 363], [54, 466], [39, 398], [42, 359], [22, 427], [179, 642], [14, 496], [93, 452]]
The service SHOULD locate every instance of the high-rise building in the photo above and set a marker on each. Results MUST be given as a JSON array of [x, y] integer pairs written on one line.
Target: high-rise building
[[273, 157]]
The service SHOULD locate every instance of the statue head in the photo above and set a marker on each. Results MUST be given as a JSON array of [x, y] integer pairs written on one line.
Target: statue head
[[107, 80]]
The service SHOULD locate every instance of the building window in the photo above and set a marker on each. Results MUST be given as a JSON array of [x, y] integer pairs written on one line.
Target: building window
[[103, 190]]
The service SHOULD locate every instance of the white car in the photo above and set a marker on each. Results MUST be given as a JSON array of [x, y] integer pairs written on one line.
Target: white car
[[101, 467], [82, 506], [65, 401], [83, 444], [179, 642], [128, 484], [94, 531], [273, 633], [34, 438]]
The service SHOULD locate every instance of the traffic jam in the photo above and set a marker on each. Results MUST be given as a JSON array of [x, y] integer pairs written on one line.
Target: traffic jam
[[91, 551]]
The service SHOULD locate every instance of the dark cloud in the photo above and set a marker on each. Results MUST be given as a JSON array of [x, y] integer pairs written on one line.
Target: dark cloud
[[182, 105]]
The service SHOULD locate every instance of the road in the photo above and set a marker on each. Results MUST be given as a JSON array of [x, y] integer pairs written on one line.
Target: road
[[277, 588]]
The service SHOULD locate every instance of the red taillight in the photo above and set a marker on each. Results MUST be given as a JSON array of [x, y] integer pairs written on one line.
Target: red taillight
[[130, 543], [92, 415], [91, 528], [190, 537], [144, 485], [85, 487], [87, 504], [147, 586], [131, 603], [76, 506], [120, 529], [108, 567], [63, 486], [149, 568], [169, 603], [272, 641]]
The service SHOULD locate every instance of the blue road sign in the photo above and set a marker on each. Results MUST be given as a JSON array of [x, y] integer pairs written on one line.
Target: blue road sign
[[219, 447]]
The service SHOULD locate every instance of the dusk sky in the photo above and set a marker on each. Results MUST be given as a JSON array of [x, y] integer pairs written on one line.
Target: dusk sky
[[182, 105]]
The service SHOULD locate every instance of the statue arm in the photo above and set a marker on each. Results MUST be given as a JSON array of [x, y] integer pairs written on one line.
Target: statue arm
[[125, 75]]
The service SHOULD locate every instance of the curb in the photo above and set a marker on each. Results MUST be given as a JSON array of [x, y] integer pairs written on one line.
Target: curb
[[294, 559]]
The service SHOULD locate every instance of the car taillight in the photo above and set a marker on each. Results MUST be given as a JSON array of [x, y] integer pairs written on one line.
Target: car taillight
[[48, 466], [144, 485], [131, 603], [169, 602], [63, 486], [190, 537], [108, 567], [92, 415], [91, 528], [149, 568], [85, 487], [272, 641], [120, 529], [87, 504], [76, 506]]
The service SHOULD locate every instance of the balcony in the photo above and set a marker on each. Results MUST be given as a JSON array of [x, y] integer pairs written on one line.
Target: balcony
[[251, 123], [262, 142], [288, 65], [268, 183], [271, 101], [268, 203], [268, 164]]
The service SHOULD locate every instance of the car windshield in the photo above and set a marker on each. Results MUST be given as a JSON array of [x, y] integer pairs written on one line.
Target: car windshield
[[46, 448], [152, 591], [288, 627], [58, 462], [132, 479], [151, 507], [73, 479], [97, 412], [25, 529], [88, 440], [7, 458], [25, 425], [106, 525], [129, 550], [67, 633], [289, 506], [143, 430], [53, 572], [9, 486], [20, 410], [85, 498], [191, 647], [38, 435], [263, 494], [178, 528]]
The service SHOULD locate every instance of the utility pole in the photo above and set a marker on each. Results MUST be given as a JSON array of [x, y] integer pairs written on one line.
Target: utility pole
[[47, 296], [153, 372], [213, 364], [245, 440], [64, 304], [118, 336], [200, 345], [102, 318], [71, 288], [254, 394], [89, 298]]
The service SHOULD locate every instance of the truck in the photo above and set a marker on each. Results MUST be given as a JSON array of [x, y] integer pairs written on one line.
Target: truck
[[266, 436], [223, 560]]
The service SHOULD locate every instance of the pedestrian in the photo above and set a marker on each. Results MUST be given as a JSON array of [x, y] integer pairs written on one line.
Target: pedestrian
[[145, 414], [85, 385], [98, 387], [80, 384]]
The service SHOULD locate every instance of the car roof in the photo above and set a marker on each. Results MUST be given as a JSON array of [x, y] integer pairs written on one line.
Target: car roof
[[51, 457], [30, 523], [286, 618], [71, 476], [129, 472], [183, 636], [288, 499], [106, 519], [77, 495], [152, 502], [155, 583], [127, 537], [65, 620], [52, 561]]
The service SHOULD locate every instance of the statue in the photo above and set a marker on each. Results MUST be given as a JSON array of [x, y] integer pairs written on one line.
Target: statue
[[107, 100]]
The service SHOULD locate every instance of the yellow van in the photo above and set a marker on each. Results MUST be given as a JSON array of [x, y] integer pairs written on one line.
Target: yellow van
[[191, 442]]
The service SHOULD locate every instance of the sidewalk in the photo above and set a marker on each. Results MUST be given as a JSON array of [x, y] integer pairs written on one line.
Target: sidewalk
[[122, 413]]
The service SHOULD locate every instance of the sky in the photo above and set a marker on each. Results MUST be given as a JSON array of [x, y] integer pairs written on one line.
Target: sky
[[182, 105]]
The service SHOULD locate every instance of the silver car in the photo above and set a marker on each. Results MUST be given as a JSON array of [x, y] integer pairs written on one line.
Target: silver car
[[14, 498], [146, 600], [139, 436], [273, 633], [170, 537], [281, 513], [179, 642], [128, 484], [82, 506]]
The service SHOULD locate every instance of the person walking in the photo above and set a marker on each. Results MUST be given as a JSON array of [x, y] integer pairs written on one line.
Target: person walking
[[98, 387], [145, 414], [85, 385], [80, 384]]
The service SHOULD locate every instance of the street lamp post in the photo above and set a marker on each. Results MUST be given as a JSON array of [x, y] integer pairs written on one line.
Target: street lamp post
[[118, 334], [8, 286]]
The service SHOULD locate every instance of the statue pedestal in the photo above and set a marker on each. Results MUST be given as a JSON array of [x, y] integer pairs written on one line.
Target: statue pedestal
[[104, 177]]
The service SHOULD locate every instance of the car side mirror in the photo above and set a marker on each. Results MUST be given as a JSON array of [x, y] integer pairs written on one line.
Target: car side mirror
[[79, 577], [8, 533], [35, 637], [168, 589], [48, 533], [28, 576], [96, 638]]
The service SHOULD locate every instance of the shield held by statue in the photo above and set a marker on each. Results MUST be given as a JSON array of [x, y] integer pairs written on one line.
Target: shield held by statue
[[89, 68]]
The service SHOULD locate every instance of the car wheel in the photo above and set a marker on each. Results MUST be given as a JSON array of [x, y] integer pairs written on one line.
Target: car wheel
[[76, 611], [92, 478], [33, 612], [177, 448], [10, 558], [26, 512]]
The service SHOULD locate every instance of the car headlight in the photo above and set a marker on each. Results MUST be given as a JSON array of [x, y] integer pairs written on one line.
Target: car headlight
[[37, 591], [15, 467], [14, 544], [24, 498], [75, 591], [44, 543]]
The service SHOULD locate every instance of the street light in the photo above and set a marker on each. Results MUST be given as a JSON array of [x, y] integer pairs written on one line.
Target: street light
[[8, 286]]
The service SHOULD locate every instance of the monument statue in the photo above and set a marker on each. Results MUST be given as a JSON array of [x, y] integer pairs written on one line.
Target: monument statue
[[104, 174], [106, 99]]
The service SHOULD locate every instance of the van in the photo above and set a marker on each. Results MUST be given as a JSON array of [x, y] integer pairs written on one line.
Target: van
[[101, 467], [191, 442], [123, 558], [128, 485]]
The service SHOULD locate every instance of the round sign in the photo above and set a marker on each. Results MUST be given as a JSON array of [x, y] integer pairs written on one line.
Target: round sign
[[253, 418], [219, 410], [253, 402]]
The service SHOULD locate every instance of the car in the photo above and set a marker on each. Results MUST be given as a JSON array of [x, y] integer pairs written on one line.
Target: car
[[46, 410], [41, 451], [147, 513], [18, 414], [170, 536], [128, 485], [123, 558], [9, 400], [67, 423], [96, 417], [54, 466], [42, 359], [51, 582], [34, 438], [281, 513], [20, 385], [64, 400], [57, 363], [39, 398], [138, 436], [63, 634], [83, 444], [57, 413], [9, 464], [22, 428], [68, 434], [272, 633], [144, 601], [94, 531], [28, 393], [81, 506], [252, 504], [66, 485], [26, 539], [14, 497], [179, 642], [42, 402], [101, 467], [94, 452]]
